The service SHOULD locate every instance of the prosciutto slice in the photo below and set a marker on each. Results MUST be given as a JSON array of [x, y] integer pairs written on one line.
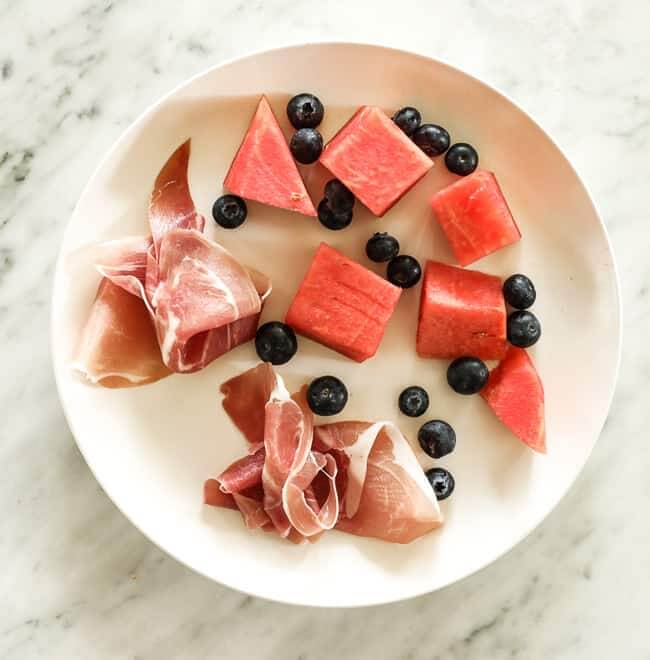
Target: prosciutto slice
[[360, 477], [385, 493], [200, 301], [279, 430], [118, 346]]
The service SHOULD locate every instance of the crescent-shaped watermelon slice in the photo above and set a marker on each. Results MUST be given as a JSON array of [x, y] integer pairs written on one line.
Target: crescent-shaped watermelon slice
[[263, 169], [515, 394]]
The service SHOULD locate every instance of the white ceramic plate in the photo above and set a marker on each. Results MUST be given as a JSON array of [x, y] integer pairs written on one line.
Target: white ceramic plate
[[151, 448]]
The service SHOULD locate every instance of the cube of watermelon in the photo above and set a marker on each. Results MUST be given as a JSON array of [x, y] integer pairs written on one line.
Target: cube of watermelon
[[264, 169], [343, 305], [475, 217], [375, 159], [462, 313], [516, 395]]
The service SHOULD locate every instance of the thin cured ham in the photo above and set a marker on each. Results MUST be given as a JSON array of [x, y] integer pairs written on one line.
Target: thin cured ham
[[360, 477], [279, 430], [118, 346], [197, 299], [384, 493]]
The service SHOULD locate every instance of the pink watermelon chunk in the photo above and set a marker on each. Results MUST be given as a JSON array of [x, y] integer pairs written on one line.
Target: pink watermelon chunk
[[263, 169], [343, 305], [515, 394], [475, 217], [375, 159], [462, 313]]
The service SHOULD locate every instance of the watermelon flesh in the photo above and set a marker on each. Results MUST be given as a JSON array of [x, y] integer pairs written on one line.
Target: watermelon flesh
[[475, 217], [263, 169], [515, 394], [462, 313], [343, 305], [375, 159]]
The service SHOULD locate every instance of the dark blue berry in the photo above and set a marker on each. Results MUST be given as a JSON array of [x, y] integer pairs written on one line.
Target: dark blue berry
[[339, 198], [382, 247], [519, 291], [437, 438], [414, 401], [432, 139], [408, 119], [327, 395], [306, 145], [404, 271], [333, 220], [524, 329], [229, 211], [275, 342], [461, 159], [467, 375], [305, 111], [441, 481]]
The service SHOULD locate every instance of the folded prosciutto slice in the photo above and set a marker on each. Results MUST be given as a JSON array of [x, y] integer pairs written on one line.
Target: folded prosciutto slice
[[282, 472], [198, 301], [299, 480], [384, 492]]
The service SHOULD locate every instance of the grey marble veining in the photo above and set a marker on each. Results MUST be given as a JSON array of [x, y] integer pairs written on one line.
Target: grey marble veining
[[78, 581]]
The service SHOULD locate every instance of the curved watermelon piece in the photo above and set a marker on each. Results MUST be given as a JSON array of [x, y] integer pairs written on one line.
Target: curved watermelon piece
[[475, 217], [264, 170], [515, 394], [375, 159], [462, 312]]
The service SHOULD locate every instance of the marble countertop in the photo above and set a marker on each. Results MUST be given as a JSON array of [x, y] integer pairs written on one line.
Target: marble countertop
[[78, 581]]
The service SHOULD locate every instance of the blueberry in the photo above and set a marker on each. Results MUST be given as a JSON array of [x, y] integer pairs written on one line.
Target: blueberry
[[275, 342], [333, 220], [382, 247], [461, 159], [524, 329], [437, 438], [441, 481], [408, 119], [327, 395], [305, 111], [306, 145], [404, 271], [519, 291], [467, 375], [414, 401], [339, 198], [229, 211], [432, 139]]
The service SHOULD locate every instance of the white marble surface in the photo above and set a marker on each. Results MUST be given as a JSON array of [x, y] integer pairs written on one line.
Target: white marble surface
[[78, 581]]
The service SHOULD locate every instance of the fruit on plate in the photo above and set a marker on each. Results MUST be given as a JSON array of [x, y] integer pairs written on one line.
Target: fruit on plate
[[381, 247], [414, 401], [375, 159], [441, 481], [342, 305], [404, 271], [263, 169], [461, 159], [475, 217], [229, 211], [408, 119], [432, 139], [305, 111], [327, 395], [437, 438], [514, 392], [519, 291], [462, 312], [467, 375], [306, 145], [524, 328], [275, 342]]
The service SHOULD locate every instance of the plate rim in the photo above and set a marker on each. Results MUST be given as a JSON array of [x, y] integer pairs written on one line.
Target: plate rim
[[390, 50]]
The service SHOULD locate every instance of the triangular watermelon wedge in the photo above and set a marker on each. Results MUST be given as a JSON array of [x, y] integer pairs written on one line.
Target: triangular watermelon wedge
[[515, 394], [263, 169]]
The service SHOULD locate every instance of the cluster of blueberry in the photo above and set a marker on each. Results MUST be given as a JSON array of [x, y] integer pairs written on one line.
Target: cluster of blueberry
[[461, 158], [403, 270]]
